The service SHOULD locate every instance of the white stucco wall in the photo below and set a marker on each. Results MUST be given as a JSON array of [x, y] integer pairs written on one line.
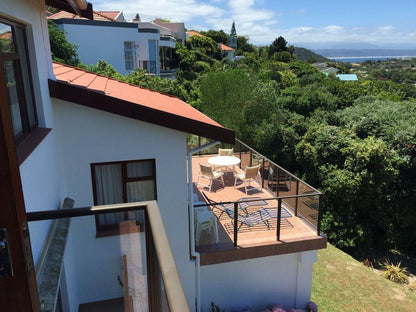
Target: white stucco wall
[[88, 136], [40, 172], [260, 282], [101, 42]]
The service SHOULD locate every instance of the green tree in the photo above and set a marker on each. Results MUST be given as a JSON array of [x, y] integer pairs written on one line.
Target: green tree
[[278, 45], [218, 36], [61, 49], [186, 58], [205, 45]]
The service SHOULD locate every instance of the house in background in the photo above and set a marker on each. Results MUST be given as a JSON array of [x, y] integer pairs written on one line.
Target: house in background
[[177, 29], [347, 77], [125, 45], [119, 154], [229, 52]]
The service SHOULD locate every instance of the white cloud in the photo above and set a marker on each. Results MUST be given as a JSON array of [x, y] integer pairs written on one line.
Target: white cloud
[[177, 11], [334, 33], [252, 19]]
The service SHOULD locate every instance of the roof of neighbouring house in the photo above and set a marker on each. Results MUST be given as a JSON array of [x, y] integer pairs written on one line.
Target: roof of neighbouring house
[[347, 77], [110, 95], [330, 70], [97, 16], [192, 33], [224, 47], [109, 14], [6, 35]]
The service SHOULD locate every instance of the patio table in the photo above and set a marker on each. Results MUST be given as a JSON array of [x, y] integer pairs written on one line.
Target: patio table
[[224, 161]]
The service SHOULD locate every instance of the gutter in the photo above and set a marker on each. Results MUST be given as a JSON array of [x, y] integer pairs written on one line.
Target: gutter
[[194, 254]]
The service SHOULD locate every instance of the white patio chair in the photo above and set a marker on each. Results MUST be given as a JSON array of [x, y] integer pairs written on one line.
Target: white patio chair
[[205, 171], [205, 220], [225, 152], [249, 174]]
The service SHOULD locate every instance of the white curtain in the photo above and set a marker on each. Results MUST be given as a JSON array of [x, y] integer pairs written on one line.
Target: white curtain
[[140, 190], [109, 187], [139, 169]]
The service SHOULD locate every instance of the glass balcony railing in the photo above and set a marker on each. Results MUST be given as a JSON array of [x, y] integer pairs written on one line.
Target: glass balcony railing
[[278, 206], [131, 271]]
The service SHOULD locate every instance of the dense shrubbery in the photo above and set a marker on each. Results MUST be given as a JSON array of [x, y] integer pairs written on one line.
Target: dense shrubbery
[[355, 141]]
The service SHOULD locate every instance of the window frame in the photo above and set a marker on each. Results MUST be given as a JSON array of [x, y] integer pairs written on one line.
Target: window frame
[[113, 229], [133, 55], [27, 128]]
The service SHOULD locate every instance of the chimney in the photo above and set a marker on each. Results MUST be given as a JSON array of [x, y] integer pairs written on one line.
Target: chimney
[[137, 19]]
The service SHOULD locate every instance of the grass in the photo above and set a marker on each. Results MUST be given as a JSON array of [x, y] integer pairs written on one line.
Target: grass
[[340, 283]]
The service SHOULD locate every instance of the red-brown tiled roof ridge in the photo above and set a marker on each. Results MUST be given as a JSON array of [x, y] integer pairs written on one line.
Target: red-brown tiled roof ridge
[[109, 14], [192, 33], [80, 86], [225, 47], [98, 16]]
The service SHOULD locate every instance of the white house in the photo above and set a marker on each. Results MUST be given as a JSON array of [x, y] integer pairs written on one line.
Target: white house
[[125, 45], [96, 186]]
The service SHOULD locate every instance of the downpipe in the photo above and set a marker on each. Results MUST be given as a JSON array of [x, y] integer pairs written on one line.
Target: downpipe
[[195, 255]]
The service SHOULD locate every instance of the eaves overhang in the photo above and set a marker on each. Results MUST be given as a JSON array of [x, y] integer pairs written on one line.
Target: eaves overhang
[[98, 100], [79, 7]]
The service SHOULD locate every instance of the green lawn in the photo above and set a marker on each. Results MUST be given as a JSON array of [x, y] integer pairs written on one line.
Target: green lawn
[[340, 283]]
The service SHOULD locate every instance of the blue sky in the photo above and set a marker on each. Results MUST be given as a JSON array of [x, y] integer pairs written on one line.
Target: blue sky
[[316, 24]]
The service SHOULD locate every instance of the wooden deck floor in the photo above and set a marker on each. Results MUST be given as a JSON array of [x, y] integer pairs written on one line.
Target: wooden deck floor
[[293, 229]]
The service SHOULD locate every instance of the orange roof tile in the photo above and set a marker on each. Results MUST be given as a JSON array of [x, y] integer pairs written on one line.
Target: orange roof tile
[[142, 99], [192, 33], [98, 16], [6, 35], [224, 47], [109, 14]]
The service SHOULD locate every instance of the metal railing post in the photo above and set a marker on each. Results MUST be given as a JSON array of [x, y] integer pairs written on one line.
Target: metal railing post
[[235, 223], [279, 217], [240, 154], [251, 158], [318, 227], [262, 175], [297, 198], [277, 181], [199, 144]]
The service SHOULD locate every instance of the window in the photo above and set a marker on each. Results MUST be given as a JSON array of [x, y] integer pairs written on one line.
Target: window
[[130, 54], [153, 55], [122, 182], [15, 63]]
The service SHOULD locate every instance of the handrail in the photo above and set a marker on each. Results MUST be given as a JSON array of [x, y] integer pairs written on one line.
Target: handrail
[[253, 200], [279, 200], [173, 286], [274, 164]]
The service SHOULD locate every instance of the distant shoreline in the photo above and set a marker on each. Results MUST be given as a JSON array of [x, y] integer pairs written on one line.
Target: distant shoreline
[[360, 59]]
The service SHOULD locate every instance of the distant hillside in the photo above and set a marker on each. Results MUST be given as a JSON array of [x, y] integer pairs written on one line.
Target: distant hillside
[[307, 55], [364, 52]]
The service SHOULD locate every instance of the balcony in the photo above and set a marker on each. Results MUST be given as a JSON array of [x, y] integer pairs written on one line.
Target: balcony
[[133, 271], [280, 213]]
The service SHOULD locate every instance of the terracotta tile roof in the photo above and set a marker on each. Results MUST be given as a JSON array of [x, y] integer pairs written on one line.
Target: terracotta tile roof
[[98, 16], [133, 101], [192, 33], [6, 35], [109, 14], [224, 47]]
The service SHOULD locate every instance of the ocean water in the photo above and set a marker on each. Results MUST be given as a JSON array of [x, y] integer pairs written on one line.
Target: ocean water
[[360, 59]]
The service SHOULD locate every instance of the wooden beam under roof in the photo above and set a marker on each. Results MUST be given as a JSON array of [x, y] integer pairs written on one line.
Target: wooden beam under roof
[[79, 7]]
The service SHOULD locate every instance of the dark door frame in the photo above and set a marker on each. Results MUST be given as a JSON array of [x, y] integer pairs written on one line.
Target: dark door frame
[[18, 292]]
